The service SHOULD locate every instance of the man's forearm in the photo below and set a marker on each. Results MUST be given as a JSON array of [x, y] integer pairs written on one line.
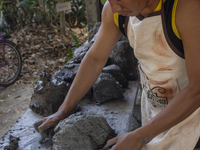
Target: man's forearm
[[182, 105], [87, 74]]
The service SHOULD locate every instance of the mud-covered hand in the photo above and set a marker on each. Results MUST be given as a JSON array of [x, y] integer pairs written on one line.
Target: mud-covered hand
[[128, 141], [46, 126]]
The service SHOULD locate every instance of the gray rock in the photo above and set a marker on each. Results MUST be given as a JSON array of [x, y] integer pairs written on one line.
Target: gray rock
[[82, 50], [13, 143], [47, 132], [93, 31], [123, 56], [137, 113], [82, 132], [48, 95], [68, 72], [134, 124], [123, 38], [106, 88], [116, 72]]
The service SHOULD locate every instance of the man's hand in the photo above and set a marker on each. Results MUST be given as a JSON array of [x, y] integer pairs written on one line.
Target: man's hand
[[128, 141], [46, 126]]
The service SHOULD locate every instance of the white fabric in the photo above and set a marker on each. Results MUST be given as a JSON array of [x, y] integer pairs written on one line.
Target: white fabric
[[163, 75]]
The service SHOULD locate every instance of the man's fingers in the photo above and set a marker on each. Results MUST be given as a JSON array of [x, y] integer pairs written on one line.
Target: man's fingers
[[37, 124], [111, 142], [46, 125]]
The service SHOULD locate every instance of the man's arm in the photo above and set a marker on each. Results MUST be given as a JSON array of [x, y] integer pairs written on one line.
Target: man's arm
[[90, 68], [188, 100]]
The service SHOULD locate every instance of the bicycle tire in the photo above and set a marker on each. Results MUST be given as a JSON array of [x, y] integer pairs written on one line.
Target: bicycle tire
[[12, 48]]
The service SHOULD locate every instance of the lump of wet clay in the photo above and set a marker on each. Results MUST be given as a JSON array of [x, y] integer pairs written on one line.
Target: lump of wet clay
[[13, 143], [106, 88], [47, 132], [48, 95], [82, 132], [116, 72], [123, 56]]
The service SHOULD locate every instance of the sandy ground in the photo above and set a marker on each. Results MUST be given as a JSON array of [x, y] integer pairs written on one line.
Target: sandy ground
[[14, 101]]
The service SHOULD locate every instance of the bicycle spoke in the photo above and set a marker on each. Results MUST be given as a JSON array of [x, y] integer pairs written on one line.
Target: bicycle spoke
[[9, 71]]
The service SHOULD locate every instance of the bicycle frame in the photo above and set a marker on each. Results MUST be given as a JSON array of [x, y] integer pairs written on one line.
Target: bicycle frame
[[3, 57]]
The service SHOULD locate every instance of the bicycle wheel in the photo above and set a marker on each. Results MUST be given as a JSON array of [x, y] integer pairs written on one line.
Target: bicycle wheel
[[11, 71]]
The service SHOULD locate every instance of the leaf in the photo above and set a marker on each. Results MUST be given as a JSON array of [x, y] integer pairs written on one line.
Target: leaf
[[5, 112], [13, 90], [56, 30], [50, 37], [1, 100]]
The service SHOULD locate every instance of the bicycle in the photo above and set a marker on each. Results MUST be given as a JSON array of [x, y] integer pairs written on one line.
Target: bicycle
[[10, 61]]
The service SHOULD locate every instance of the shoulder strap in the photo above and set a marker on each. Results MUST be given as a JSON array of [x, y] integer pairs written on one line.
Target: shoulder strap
[[169, 8], [121, 22]]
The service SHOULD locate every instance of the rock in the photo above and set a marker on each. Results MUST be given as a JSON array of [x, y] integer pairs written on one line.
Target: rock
[[123, 38], [93, 31], [82, 132], [13, 143], [48, 95], [123, 56], [134, 124], [82, 50], [106, 88], [116, 72], [68, 72], [47, 132], [137, 113]]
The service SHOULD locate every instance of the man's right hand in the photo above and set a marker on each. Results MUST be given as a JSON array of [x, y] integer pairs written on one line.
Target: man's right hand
[[46, 126]]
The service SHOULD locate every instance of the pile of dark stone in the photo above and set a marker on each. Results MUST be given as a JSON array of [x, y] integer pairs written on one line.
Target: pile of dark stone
[[120, 68], [84, 131]]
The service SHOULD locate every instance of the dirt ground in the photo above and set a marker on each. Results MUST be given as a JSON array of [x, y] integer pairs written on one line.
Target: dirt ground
[[14, 101]]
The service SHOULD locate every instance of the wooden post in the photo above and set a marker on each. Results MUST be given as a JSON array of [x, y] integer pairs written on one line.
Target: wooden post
[[62, 20], [93, 13], [42, 6]]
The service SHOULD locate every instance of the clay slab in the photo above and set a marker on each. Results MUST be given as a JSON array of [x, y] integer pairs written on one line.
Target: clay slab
[[118, 114]]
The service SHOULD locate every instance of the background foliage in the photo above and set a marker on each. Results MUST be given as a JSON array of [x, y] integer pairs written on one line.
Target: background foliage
[[18, 13], [103, 1]]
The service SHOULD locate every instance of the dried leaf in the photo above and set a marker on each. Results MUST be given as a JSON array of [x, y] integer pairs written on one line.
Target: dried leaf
[[5, 112], [17, 97], [13, 90]]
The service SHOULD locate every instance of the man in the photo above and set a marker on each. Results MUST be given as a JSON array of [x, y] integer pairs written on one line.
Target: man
[[171, 85]]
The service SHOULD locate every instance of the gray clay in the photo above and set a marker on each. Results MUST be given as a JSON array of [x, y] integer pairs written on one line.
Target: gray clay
[[50, 92], [123, 56], [48, 95], [47, 132], [13, 143], [106, 88], [116, 72], [82, 132], [93, 31]]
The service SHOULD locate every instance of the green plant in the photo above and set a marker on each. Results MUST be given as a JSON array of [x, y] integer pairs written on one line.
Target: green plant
[[18, 13], [70, 53], [36, 81], [85, 30], [75, 41], [103, 1], [78, 12]]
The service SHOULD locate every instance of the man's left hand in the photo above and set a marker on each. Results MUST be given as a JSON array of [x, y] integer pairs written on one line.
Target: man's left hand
[[128, 141]]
